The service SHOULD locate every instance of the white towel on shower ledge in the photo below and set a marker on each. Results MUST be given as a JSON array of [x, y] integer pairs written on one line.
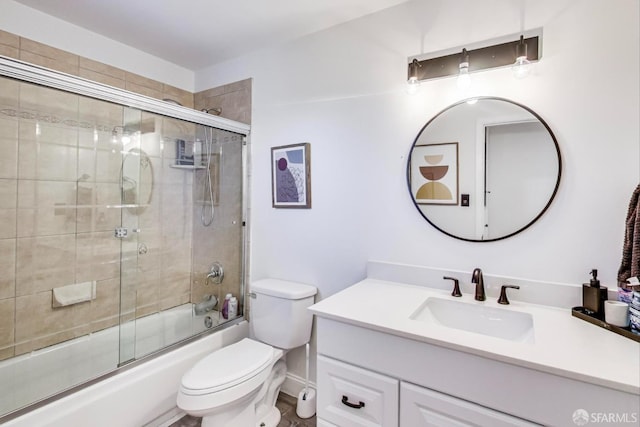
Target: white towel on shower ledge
[[74, 294]]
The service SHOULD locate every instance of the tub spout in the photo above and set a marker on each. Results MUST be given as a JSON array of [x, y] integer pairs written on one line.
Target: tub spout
[[206, 305]]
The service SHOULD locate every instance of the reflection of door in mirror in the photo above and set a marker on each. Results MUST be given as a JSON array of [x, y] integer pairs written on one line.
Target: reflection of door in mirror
[[520, 173]]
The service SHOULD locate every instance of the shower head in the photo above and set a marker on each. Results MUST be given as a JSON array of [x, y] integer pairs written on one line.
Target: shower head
[[216, 111]]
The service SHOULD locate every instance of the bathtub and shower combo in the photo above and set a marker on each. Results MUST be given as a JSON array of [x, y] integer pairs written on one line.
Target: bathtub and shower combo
[[122, 228]]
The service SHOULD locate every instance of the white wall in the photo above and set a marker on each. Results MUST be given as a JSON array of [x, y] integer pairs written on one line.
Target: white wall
[[35, 25], [342, 90]]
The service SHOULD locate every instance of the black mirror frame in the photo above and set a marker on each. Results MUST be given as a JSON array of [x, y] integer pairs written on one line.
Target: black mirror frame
[[479, 98]]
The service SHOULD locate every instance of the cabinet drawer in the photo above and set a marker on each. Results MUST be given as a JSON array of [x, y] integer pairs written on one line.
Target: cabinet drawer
[[423, 407], [349, 396]]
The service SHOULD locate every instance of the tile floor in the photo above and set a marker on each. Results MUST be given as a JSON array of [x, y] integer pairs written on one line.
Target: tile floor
[[286, 404]]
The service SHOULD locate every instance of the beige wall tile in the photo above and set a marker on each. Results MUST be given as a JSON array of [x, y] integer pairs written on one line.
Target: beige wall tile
[[9, 45], [105, 308], [8, 203], [9, 39], [7, 352], [143, 90], [185, 98], [98, 256], [46, 208], [9, 93], [9, 148], [8, 193], [99, 67], [142, 81], [234, 99], [44, 100], [45, 161], [7, 314], [44, 263], [101, 78], [201, 97], [47, 56], [7, 223], [39, 325], [240, 85], [103, 212], [102, 68], [174, 301], [10, 52], [104, 114], [8, 269]]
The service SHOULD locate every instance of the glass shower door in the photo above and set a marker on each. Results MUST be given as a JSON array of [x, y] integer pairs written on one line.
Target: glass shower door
[[134, 167]]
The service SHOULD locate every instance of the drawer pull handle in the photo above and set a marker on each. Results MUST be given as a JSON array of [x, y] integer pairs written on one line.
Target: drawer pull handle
[[345, 400]]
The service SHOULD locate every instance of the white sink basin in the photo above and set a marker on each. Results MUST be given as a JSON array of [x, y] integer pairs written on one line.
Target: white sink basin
[[477, 318]]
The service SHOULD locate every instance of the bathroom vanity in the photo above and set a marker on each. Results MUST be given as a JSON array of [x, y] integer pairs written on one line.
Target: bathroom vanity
[[395, 354]]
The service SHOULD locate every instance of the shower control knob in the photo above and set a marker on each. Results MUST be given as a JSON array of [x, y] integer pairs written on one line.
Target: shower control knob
[[142, 249]]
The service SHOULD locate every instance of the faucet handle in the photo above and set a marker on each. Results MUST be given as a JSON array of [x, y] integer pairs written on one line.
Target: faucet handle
[[503, 293], [456, 286]]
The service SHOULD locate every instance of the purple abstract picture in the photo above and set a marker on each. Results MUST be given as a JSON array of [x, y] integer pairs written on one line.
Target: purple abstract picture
[[290, 165]]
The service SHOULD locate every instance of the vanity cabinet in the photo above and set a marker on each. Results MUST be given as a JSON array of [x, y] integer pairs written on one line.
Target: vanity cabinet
[[390, 380], [421, 407], [355, 397], [352, 396]]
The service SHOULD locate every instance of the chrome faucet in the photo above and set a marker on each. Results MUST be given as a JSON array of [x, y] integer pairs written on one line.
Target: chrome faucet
[[476, 277]]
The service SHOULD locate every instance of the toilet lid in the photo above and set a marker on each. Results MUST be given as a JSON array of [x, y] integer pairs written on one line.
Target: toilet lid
[[228, 366]]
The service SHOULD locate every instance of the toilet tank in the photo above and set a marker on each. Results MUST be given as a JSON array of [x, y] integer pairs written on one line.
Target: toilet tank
[[279, 314]]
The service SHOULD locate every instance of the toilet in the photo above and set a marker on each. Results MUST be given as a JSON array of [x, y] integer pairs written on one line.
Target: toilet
[[238, 385]]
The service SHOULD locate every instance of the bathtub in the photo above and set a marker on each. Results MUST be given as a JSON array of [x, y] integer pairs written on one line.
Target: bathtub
[[132, 397]]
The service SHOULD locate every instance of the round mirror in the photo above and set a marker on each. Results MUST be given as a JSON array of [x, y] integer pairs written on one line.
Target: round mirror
[[136, 181], [484, 169]]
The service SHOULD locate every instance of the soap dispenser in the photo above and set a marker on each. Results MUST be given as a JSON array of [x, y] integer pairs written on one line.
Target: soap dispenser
[[594, 295]]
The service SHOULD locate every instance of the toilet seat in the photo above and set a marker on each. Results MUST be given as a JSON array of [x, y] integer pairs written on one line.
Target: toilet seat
[[227, 367]]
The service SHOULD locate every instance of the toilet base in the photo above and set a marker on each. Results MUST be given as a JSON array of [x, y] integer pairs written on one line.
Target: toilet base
[[270, 419]]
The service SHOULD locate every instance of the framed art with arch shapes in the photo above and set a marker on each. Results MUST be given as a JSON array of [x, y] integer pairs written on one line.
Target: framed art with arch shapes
[[291, 176]]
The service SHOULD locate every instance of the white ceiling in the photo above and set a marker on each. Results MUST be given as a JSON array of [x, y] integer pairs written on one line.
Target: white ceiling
[[198, 33]]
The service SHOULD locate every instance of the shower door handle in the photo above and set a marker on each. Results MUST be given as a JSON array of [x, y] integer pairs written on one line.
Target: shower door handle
[[123, 232]]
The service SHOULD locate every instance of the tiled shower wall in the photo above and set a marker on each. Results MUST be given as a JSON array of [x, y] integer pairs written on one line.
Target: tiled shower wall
[[46, 241]]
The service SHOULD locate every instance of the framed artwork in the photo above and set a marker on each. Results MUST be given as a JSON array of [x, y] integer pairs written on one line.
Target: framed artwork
[[291, 176], [434, 174]]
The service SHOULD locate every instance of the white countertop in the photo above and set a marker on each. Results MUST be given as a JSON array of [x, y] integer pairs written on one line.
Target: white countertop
[[564, 345]]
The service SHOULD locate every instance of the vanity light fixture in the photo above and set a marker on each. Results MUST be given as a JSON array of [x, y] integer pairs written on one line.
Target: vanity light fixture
[[516, 50], [522, 67], [464, 80], [412, 81]]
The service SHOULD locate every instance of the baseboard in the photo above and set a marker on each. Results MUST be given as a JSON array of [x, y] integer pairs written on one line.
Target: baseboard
[[294, 384]]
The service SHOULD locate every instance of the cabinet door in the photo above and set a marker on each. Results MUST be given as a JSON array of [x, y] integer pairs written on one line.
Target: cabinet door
[[349, 396], [423, 407]]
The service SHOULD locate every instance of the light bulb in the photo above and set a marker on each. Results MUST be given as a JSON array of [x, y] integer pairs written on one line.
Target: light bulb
[[412, 85], [464, 80], [521, 68]]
